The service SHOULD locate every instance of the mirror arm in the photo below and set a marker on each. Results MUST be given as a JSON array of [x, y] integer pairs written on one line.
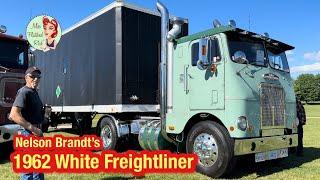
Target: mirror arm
[[247, 64]]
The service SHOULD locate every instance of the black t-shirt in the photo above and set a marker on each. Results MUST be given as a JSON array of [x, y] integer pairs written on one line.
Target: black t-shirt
[[31, 106]]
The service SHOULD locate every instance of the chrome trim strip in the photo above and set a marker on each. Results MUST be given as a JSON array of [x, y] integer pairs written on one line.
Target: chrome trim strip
[[244, 146], [107, 108]]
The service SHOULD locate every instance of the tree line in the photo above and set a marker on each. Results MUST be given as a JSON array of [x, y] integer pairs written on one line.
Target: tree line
[[307, 87]]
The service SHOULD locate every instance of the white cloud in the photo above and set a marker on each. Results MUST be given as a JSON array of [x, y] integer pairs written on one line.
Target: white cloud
[[312, 56], [290, 59], [306, 68], [290, 52]]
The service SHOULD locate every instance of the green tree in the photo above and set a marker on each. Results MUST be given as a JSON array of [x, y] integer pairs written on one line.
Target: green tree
[[317, 84], [307, 87]]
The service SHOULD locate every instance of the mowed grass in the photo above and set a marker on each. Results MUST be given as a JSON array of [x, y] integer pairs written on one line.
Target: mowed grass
[[312, 110], [293, 167]]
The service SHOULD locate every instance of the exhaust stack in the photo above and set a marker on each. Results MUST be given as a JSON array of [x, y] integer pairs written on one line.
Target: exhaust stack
[[163, 62], [163, 70]]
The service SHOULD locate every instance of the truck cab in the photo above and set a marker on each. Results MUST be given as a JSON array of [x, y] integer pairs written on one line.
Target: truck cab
[[235, 84], [13, 63], [242, 77]]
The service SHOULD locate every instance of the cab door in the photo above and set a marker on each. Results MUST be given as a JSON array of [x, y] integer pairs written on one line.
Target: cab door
[[206, 75]]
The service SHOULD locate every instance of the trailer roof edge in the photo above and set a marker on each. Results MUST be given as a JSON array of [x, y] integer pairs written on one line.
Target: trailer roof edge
[[108, 8], [92, 16]]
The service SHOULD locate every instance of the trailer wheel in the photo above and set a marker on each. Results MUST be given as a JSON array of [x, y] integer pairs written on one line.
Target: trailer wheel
[[108, 133], [83, 122], [214, 147], [45, 125]]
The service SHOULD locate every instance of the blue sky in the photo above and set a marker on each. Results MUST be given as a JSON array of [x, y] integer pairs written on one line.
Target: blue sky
[[290, 21]]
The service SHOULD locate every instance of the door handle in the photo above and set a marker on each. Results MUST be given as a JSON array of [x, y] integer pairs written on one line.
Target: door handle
[[186, 76]]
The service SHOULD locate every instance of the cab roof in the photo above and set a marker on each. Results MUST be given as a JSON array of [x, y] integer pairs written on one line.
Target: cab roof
[[226, 29], [9, 37]]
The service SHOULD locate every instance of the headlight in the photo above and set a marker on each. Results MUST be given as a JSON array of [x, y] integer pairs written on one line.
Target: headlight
[[242, 123]]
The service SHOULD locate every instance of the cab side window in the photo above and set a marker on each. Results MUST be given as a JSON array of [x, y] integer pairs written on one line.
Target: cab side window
[[194, 53], [214, 54]]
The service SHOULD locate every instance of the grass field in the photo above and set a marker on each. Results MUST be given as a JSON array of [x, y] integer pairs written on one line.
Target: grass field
[[312, 110], [306, 167]]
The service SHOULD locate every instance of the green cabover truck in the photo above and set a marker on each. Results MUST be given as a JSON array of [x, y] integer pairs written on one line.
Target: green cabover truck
[[232, 95], [223, 92]]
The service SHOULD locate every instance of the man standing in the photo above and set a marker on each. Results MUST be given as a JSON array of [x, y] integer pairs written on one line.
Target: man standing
[[301, 115], [27, 111]]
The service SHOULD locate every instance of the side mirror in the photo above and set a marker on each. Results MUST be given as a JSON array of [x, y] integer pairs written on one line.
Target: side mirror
[[31, 59], [240, 57], [203, 62]]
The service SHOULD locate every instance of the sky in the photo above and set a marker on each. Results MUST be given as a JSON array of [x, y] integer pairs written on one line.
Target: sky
[[291, 21]]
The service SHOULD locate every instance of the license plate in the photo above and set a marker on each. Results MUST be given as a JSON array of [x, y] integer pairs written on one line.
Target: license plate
[[274, 154]]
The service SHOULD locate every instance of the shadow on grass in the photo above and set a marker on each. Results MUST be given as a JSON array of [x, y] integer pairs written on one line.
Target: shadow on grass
[[312, 103], [5, 150], [245, 166]]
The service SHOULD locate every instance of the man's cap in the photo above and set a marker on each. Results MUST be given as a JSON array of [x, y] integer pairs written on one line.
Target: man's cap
[[32, 69]]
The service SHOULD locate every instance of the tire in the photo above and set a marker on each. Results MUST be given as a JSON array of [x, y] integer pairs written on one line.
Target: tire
[[88, 122], [6, 148], [83, 122], [45, 125], [209, 134], [107, 130]]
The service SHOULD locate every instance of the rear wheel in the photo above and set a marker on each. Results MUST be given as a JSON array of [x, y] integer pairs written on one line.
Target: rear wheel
[[45, 125], [214, 147], [108, 133], [83, 122]]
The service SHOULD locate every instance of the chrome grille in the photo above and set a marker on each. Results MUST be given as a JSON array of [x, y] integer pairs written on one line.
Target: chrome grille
[[272, 105]]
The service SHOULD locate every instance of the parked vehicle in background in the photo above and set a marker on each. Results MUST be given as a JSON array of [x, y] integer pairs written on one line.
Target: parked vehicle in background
[[14, 55]]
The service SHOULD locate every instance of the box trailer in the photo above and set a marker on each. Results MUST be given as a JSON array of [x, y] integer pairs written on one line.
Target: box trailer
[[110, 60], [220, 93]]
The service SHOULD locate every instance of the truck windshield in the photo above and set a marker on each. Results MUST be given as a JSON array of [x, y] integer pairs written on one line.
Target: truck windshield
[[13, 54], [277, 59], [252, 49]]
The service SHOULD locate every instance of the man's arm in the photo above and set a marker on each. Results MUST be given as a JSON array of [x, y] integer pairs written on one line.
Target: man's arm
[[16, 116]]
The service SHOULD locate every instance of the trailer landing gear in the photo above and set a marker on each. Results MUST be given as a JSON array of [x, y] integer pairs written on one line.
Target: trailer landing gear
[[214, 147]]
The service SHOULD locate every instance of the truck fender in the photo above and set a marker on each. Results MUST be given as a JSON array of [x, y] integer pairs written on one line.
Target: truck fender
[[113, 119]]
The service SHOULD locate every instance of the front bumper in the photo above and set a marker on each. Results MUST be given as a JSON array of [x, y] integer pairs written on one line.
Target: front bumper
[[7, 132], [256, 145]]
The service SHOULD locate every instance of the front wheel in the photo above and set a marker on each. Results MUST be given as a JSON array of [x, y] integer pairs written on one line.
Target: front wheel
[[214, 147]]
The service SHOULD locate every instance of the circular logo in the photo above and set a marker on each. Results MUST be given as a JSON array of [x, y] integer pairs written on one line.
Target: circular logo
[[43, 33]]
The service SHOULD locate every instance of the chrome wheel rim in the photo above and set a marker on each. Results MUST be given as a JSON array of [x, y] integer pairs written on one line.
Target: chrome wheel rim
[[205, 146], [106, 137]]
